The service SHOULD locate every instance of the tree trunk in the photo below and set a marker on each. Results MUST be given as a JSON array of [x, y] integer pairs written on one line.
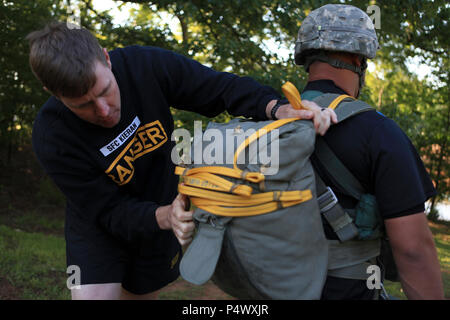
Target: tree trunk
[[442, 154], [184, 29]]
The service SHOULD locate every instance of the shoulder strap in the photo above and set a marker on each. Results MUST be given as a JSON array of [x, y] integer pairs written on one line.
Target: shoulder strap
[[311, 94], [336, 170], [345, 107], [347, 259]]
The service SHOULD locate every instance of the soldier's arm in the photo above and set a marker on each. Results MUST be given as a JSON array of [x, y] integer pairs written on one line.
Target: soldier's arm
[[415, 256]]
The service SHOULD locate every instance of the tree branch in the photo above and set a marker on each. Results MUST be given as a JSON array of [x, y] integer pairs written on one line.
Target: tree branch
[[100, 15], [184, 28]]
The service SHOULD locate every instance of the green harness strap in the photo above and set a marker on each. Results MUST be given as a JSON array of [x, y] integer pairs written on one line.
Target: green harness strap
[[311, 94], [345, 180], [347, 259], [333, 213]]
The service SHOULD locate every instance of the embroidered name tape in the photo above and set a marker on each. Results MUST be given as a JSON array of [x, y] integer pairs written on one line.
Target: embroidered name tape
[[121, 138]]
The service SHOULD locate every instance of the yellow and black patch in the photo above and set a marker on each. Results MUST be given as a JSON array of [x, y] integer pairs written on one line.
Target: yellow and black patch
[[147, 138]]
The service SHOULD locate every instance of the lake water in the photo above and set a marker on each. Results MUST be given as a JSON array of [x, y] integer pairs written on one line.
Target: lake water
[[444, 211]]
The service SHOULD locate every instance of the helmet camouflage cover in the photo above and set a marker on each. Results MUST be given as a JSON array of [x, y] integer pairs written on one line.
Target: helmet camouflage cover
[[337, 27]]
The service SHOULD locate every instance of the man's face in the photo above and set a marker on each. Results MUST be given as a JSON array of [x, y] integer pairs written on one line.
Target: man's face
[[101, 104]]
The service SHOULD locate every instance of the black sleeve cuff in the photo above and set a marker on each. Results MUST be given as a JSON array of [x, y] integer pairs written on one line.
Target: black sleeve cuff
[[261, 111], [416, 209]]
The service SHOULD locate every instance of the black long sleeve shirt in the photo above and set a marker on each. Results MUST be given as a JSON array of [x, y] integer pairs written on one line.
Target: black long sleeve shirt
[[116, 178]]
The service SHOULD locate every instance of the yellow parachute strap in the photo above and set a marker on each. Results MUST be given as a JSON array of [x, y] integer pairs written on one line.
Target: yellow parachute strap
[[219, 203], [262, 131], [291, 92], [196, 180], [247, 211], [255, 177], [338, 100], [213, 182]]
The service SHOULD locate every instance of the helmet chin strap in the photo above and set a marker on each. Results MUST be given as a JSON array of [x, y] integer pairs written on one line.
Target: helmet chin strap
[[362, 82], [323, 57], [362, 76]]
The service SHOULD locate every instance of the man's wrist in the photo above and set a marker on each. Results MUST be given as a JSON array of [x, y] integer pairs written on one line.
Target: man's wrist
[[269, 108], [273, 106], [275, 109], [161, 215]]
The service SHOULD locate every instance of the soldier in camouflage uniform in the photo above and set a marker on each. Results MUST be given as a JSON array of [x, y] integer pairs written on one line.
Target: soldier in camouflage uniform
[[333, 44]]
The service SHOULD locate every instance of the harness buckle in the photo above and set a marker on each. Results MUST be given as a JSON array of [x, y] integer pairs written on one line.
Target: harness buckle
[[327, 200]]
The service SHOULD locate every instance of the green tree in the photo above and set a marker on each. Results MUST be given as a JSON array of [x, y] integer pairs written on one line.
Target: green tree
[[422, 111], [233, 36], [20, 94], [238, 36]]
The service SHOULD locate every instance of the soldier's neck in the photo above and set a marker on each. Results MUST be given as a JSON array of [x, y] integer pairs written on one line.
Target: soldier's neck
[[347, 80]]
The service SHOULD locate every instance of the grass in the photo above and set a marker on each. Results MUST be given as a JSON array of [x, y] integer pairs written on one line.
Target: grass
[[37, 220], [183, 292], [33, 264]]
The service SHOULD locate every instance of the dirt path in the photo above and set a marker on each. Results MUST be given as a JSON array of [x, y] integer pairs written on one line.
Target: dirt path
[[183, 290]]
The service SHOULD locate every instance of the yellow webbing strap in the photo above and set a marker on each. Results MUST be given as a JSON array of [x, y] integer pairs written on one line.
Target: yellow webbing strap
[[237, 206], [264, 130], [338, 100], [236, 200], [213, 182], [292, 94], [212, 193], [254, 177], [248, 211]]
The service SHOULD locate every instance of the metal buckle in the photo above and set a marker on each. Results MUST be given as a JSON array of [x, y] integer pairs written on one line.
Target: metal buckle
[[211, 221], [327, 200]]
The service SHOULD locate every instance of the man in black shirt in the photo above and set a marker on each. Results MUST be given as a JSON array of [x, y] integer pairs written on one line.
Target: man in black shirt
[[104, 137], [333, 45]]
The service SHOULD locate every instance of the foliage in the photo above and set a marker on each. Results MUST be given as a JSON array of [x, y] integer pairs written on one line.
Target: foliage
[[20, 94], [422, 111], [233, 36], [239, 36]]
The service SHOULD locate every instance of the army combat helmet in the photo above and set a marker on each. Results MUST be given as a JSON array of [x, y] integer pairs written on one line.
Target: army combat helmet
[[336, 27]]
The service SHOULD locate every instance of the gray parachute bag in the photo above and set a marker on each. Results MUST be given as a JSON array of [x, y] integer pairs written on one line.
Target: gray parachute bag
[[282, 254], [277, 255]]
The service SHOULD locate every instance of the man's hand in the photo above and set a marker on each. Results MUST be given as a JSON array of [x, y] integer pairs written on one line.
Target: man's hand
[[322, 117], [176, 217]]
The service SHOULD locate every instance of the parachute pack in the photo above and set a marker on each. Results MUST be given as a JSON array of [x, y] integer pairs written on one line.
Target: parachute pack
[[260, 235]]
